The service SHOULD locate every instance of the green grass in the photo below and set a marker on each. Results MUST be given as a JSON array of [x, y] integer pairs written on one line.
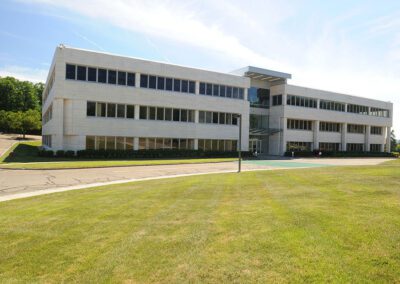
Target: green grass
[[25, 157], [334, 224]]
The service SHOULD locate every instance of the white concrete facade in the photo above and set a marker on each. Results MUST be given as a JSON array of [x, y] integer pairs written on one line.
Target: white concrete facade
[[69, 124]]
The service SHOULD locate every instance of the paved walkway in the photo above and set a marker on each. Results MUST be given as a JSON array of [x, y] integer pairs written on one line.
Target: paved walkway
[[7, 140], [22, 183]]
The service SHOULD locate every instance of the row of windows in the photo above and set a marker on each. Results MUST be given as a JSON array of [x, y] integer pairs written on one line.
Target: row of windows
[[277, 100], [330, 105], [324, 146], [299, 124], [167, 114], [215, 90], [355, 128], [376, 130], [48, 115], [217, 118], [92, 74], [355, 147], [301, 101], [329, 126], [49, 85], [167, 84], [379, 112], [110, 110], [109, 143], [357, 109], [46, 140], [298, 146], [166, 143], [217, 145], [375, 147]]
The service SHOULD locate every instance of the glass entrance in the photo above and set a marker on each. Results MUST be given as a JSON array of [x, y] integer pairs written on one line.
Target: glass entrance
[[255, 145]]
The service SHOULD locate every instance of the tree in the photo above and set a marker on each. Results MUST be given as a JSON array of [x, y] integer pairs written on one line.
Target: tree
[[393, 141], [18, 95], [39, 88], [4, 121], [24, 122]]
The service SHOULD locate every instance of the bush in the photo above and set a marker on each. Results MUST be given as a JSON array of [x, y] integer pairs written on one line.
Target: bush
[[343, 154], [45, 153], [396, 154], [69, 154], [60, 153]]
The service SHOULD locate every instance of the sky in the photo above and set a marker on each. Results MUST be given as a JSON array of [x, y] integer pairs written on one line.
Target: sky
[[351, 47]]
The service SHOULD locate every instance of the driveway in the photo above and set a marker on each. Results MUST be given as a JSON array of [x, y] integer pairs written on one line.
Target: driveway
[[19, 182], [7, 140]]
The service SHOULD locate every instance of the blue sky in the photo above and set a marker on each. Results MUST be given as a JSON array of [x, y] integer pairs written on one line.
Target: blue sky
[[351, 47]]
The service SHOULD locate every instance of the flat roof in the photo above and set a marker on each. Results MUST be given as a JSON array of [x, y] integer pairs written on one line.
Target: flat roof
[[262, 74]]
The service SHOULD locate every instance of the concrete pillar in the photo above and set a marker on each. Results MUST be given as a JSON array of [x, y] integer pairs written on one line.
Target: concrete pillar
[[196, 116], [246, 91], [135, 143], [197, 88], [345, 108], [137, 111], [282, 138], [344, 136], [196, 144], [316, 134], [388, 130], [366, 142], [137, 80], [318, 100], [57, 135]]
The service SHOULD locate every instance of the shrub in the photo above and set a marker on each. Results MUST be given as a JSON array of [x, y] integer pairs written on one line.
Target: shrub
[[45, 153], [60, 153], [69, 154]]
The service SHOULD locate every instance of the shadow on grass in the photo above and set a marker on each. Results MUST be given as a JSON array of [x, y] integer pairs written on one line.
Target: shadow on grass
[[28, 153]]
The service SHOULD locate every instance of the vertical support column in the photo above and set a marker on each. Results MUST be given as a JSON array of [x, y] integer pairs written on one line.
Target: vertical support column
[[135, 143], [246, 93], [196, 144], [137, 112], [366, 142], [388, 131], [316, 135], [282, 138], [197, 88], [318, 100], [196, 116], [344, 136], [137, 80]]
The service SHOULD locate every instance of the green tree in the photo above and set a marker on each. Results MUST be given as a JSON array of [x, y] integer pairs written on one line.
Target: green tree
[[39, 87], [393, 141], [18, 95], [4, 121], [25, 122]]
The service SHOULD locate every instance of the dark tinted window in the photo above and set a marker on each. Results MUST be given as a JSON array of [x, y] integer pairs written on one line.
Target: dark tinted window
[[160, 113], [215, 117], [235, 93], [131, 79], [209, 89], [161, 83], [229, 92], [92, 74], [130, 111], [168, 84], [202, 89], [241, 93], [121, 111], [192, 87], [221, 118], [70, 71], [91, 109], [102, 76], [184, 116], [176, 114], [143, 112], [112, 77], [144, 80], [152, 113], [152, 82], [81, 73], [216, 90], [111, 110], [222, 91], [185, 86], [168, 114], [177, 85], [121, 78]]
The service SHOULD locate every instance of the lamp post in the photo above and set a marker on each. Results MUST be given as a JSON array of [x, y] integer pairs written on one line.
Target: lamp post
[[239, 116]]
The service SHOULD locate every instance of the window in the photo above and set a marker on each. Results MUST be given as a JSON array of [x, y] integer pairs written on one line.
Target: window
[[241, 93], [185, 86], [191, 116], [176, 114], [222, 91], [129, 143], [112, 77], [209, 89], [168, 84], [298, 146], [192, 87], [229, 92], [142, 144], [130, 111], [110, 143], [221, 118], [215, 117], [152, 113], [177, 85], [92, 74], [184, 115], [121, 111], [152, 82], [258, 97], [301, 101], [102, 76], [131, 79], [216, 90], [143, 112], [376, 130], [299, 124], [160, 83], [202, 117], [111, 110], [90, 142], [120, 143], [355, 147], [121, 78], [208, 116], [160, 113], [144, 80], [359, 109], [202, 88], [379, 112], [277, 100], [329, 126], [330, 105], [101, 110], [375, 148], [355, 128], [100, 142], [91, 109], [331, 147], [235, 92], [70, 71], [168, 114]]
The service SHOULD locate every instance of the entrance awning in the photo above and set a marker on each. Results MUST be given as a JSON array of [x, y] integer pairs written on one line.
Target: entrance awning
[[264, 132]]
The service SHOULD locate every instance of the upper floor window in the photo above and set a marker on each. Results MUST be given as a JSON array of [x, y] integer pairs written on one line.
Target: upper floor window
[[330, 105], [299, 124], [329, 126], [301, 101], [258, 97], [81, 73], [217, 90], [379, 112], [355, 128], [357, 109], [112, 77], [121, 78], [277, 100], [376, 130], [102, 76], [92, 74], [70, 71]]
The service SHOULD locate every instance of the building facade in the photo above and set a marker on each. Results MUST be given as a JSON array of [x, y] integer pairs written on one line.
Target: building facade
[[95, 100]]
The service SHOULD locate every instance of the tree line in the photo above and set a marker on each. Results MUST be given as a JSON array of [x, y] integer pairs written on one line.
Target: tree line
[[20, 106]]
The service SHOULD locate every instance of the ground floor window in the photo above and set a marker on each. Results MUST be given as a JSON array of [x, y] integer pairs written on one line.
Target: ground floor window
[[375, 147], [109, 143], [298, 146], [355, 147], [324, 146], [217, 145], [159, 143], [46, 140]]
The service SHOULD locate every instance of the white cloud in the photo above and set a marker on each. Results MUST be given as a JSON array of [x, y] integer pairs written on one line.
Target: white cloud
[[24, 73]]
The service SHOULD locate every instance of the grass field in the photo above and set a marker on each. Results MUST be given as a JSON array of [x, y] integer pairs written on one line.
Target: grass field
[[330, 224], [25, 157]]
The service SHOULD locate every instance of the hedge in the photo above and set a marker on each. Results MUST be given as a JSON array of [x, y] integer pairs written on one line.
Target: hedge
[[142, 154], [315, 153]]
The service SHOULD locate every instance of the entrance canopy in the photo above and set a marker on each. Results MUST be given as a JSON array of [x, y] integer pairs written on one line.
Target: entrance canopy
[[263, 131], [263, 74]]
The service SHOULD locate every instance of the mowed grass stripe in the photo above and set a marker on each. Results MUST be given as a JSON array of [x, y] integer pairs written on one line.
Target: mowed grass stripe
[[335, 224]]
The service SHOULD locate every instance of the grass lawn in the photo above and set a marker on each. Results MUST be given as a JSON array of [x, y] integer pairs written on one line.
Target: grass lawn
[[25, 157], [334, 224]]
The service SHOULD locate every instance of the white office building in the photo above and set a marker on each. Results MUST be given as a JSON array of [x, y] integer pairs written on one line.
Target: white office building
[[96, 100]]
